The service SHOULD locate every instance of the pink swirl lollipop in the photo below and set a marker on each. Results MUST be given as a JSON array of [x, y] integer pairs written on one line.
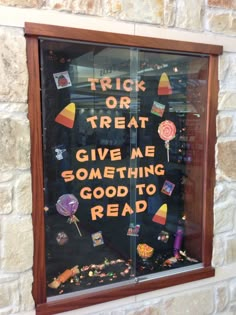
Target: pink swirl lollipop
[[67, 205], [167, 131]]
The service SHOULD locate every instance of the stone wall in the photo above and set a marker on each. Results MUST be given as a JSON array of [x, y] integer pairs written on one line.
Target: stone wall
[[209, 18]]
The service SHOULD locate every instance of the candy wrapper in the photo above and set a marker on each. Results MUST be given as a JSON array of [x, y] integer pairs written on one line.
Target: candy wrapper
[[63, 277]]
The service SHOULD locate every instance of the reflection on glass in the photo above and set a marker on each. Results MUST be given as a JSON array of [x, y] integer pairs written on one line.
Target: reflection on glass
[[123, 145]]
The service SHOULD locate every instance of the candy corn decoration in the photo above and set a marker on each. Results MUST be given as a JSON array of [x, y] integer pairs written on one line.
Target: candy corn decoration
[[164, 87], [160, 215], [67, 116]]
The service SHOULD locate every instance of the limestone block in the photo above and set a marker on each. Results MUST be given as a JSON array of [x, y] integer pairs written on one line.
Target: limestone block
[[226, 124], [26, 280], [9, 295], [231, 250], [226, 152], [224, 23], [93, 7], [170, 12], [5, 198], [232, 287], [148, 310], [222, 297], [189, 14], [227, 72], [22, 3], [13, 74], [224, 216], [228, 4], [227, 100], [225, 191], [23, 194], [14, 143], [194, 302], [14, 107], [6, 176], [149, 11], [218, 255], [16, 243]]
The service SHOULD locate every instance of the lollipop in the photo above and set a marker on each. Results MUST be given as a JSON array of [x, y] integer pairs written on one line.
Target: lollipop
[[67, 206], [167, 131]]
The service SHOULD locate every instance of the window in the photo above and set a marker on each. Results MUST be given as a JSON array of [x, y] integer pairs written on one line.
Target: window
[[122, 131]]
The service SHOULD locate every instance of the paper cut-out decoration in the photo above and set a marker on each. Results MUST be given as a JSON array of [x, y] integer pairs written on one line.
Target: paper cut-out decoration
[[158, 109], [167, 131], [62, 238], [167, 188], [67, 205], [97, 238], [164, 87], [133, 230], [62, 80], [67, 116], [145, 251], [160, 215]]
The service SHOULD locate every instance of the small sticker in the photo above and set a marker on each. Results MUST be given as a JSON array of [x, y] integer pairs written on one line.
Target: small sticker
[[62, 238], [163, 237], [62, 80], [59, 152], [97, 238], [133, 230], [167, 188], [158, 109]]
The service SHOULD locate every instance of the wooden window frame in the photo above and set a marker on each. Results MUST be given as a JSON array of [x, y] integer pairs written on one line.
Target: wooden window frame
[[32, 32]]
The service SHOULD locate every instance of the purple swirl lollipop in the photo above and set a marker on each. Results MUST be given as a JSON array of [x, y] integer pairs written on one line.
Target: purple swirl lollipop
[[67, 205]]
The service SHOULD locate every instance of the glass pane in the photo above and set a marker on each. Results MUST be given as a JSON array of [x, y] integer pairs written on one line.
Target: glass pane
[[123, 145]]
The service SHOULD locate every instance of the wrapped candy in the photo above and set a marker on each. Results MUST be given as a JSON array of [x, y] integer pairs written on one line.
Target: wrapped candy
[[63, 277]]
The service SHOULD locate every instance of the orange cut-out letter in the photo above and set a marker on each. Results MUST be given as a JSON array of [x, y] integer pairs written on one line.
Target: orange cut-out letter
[[109, 172], [125, 102], [143, 121], [133, 122], [106, 83], [119, 122], [112, 210], [111, 102], [150, 150], [139, 86], [97, 211], [81, 155], [92, 121], [115, 154], [68, 176], [122, 191], [93, 85], [127, 209], [105, 122], [141, 206]]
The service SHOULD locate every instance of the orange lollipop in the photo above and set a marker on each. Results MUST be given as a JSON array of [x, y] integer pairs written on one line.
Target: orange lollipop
[[167, 131]]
